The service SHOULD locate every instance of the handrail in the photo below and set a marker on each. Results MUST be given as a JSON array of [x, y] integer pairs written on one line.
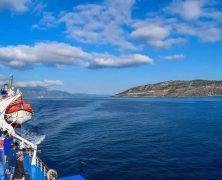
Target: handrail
[[27, 144], [43, 167], [21, 139], [39, 163], [31, 150]]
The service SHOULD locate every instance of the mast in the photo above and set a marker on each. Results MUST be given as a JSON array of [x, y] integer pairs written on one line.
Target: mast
[[11, 80]]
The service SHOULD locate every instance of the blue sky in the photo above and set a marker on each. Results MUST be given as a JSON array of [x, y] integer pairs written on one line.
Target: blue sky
[[107, 46]]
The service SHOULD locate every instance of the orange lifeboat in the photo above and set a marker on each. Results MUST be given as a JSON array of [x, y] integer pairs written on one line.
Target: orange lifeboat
[[18, 112]]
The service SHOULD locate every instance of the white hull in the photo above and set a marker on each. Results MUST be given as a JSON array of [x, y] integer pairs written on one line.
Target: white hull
[[20, 116]]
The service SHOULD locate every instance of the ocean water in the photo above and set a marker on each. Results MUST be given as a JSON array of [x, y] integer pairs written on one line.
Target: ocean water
[[130, 138]]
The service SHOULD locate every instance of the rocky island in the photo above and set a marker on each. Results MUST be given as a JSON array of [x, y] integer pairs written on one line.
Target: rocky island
[[175, 89]]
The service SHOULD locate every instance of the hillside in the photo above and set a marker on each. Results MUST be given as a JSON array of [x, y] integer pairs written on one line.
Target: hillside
[[40, 92], [176, 88]]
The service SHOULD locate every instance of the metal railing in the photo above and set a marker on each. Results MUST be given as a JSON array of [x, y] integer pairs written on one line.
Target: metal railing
[[42, 166], [31, 150], [39, 163]]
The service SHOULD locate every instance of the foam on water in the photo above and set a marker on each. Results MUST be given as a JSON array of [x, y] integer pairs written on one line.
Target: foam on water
[[32, 136]]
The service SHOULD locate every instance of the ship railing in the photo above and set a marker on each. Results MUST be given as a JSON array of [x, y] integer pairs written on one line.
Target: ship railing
[[24, 143], [31, 150], [51, 174], [39, 163], [43, 167]]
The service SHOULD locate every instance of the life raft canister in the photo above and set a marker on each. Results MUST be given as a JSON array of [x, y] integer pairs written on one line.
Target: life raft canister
[[17, 106], [18, 112]]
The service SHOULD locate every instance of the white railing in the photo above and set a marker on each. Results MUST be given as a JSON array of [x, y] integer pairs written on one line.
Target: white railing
[[42, 165], [31, 150], [27, 144]]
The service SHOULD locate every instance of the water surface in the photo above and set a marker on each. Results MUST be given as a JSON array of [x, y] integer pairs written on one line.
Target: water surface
[[138, 138]]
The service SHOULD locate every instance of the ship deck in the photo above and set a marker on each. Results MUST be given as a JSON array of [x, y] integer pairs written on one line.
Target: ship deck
[[34, 172]]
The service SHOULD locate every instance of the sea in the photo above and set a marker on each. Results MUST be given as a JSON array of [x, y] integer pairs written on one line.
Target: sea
[[105, 138]]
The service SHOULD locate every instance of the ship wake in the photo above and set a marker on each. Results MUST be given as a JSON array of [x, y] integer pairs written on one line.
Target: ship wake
[[34, 137]]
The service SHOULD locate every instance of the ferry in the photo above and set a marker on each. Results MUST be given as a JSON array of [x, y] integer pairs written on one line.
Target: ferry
[[14, 112]]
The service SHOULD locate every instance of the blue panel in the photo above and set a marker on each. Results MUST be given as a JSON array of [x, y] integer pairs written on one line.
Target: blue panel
[[34, 172], [2, 166]]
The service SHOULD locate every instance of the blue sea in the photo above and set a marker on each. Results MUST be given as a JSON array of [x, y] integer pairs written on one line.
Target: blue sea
[[105, 138]]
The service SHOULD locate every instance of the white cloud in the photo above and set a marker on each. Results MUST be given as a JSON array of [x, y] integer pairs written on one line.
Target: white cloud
[[210, 34], [48, 20], [45, 83], [200, 19], [15, 5], [207, 32], [156, 35], [111, 23], [48, 53], [56, 54], [100, 24], [119, 62], [168, 42], [195, 9], [174, 57], [151, 32], [189, 9]]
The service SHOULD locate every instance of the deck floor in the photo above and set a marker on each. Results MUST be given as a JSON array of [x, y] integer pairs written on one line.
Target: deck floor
[[34, 172]]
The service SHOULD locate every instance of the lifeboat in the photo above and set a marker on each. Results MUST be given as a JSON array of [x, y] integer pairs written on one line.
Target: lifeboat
[[18, 112]]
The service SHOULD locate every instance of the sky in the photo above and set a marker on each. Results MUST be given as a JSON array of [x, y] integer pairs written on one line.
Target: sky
[[108, 46]]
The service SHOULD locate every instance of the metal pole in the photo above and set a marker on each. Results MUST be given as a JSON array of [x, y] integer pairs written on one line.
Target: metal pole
[[34, 156], [11, 80]]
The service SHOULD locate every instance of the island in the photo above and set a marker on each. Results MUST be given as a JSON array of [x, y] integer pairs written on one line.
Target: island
[[175, 89]]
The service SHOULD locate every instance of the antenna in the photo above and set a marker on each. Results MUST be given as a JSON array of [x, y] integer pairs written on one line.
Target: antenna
[[11, 80]]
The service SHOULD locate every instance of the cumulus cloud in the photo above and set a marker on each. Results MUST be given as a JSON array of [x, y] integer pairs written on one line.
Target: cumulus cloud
[[188, 9], [56, 54], [207, 32], [199, 18], [156, 35], [111, 23], [175, 57], [45, 83], [195, 9], [15, 5], [119, 62], [210, 34], [100, 23], [151, 32], [48, 53]]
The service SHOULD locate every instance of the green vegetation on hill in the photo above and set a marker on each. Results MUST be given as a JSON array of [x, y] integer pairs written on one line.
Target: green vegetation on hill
[[176, 88]]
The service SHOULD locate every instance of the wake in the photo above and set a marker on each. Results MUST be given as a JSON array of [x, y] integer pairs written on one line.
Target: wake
[[32, 136]]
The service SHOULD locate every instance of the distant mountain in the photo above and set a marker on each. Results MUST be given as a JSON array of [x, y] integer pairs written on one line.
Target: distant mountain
[[175, 88], [40, 92]]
